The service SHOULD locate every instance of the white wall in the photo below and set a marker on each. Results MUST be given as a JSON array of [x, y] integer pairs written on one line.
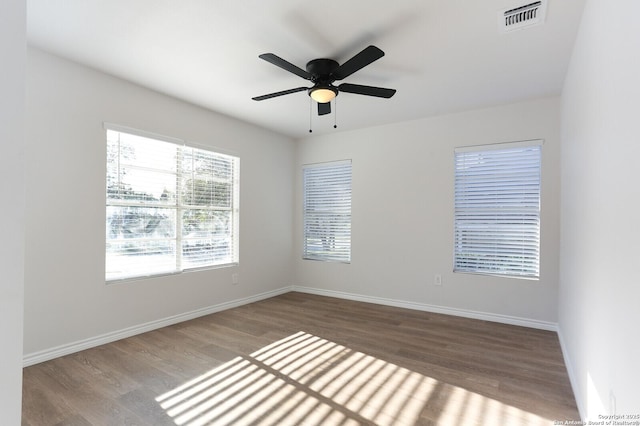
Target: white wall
[[66, 298], [402, 212], [12, 87], [600, 241]]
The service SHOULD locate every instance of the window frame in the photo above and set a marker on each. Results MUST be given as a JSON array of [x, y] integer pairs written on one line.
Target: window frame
[[530, 226], [178, 206], [341, 236]]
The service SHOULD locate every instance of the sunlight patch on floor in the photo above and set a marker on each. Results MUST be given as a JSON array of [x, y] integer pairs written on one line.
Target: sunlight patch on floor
[[306, 380]]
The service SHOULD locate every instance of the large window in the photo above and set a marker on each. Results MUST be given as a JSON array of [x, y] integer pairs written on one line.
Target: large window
[[170, 207], [327, 211], [497, 209]]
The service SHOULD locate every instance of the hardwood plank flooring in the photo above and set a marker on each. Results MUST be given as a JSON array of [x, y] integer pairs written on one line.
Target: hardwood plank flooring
[[300, 359]]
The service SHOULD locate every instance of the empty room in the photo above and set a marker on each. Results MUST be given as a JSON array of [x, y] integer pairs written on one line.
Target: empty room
[[338, 213]]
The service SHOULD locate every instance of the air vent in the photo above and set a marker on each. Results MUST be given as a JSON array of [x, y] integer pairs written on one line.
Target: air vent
[[523, 16]]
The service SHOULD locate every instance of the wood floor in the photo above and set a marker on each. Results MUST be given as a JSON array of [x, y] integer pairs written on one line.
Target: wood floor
[[300, 359]]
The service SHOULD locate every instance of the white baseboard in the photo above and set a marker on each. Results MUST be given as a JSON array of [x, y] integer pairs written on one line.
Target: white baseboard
[[505, 319], [66, 349], [58, 351], [572, 375]]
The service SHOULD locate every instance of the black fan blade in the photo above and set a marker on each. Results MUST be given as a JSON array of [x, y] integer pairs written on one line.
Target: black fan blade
[[276, 94], [287, 66], [361, 60], [324, 109], [358, 89]]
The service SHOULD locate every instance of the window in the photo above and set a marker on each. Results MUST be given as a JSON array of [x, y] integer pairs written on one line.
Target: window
[[170, 207], [497, 209], [327, 211]]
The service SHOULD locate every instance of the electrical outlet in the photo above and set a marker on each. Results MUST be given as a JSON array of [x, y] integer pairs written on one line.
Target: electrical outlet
[[235, 278], [437, 279]]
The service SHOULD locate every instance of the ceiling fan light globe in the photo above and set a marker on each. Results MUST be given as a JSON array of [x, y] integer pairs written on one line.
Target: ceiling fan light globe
[[323, 95]]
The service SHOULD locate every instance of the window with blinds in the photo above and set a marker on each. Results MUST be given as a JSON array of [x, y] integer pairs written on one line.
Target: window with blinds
[[327, 211], [497, 209], [170, 207]]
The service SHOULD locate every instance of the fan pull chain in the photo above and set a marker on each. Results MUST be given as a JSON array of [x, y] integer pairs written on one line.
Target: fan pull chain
[[335, 113], [310, 114]]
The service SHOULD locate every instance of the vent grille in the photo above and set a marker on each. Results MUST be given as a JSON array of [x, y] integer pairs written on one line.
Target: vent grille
[[523, 16]]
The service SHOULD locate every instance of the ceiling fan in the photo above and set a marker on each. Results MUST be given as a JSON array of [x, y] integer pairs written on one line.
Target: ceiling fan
[[324, 72]]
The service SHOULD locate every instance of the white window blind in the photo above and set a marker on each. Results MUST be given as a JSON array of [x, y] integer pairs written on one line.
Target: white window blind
[[170, 207], [327, 211], [497, 210]]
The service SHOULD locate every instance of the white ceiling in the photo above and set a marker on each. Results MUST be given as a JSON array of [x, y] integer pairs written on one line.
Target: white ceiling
[[441, 55]]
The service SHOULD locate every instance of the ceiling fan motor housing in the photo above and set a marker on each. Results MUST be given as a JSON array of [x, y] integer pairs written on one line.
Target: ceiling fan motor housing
[[321, 71]]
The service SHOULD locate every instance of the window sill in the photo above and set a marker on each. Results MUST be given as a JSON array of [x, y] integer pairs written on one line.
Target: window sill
[[167, 274]]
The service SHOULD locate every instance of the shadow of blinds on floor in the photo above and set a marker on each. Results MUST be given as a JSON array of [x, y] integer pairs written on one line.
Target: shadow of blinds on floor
[[304, 379]]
